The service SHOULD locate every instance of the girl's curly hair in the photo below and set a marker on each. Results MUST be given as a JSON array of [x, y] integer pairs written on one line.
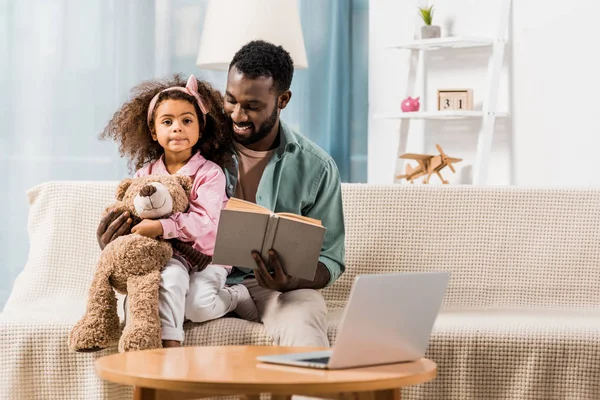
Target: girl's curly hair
[[129, 128]]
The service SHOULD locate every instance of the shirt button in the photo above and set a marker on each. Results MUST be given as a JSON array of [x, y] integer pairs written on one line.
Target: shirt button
[[230, 186]]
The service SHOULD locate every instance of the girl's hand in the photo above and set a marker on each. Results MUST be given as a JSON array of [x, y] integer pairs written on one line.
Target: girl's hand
[[148, 227]]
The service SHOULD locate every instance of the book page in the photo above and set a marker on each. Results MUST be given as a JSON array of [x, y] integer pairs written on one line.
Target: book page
[[300, 218], [236, 204]]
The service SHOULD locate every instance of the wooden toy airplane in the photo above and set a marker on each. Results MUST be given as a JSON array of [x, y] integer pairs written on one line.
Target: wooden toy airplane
[[428, 165]]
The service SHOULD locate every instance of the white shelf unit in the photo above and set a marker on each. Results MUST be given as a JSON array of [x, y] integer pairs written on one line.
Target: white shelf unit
[[452, 42], [487, 114], [450, 115]]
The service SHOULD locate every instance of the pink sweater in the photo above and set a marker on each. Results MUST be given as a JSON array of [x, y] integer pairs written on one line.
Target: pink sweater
[[199, 225]]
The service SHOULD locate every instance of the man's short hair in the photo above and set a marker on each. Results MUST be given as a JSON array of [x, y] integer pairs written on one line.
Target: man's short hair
[[259, 58]]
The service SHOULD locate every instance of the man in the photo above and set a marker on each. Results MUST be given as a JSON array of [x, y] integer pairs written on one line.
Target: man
[[279, 169]]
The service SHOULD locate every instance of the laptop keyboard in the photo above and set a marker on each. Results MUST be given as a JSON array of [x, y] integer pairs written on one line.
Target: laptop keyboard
[[320, 360]]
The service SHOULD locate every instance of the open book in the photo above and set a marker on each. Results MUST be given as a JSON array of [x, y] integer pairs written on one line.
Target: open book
[[245, 227]]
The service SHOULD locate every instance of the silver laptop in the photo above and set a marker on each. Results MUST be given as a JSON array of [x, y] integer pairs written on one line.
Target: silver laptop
[[388, 319]]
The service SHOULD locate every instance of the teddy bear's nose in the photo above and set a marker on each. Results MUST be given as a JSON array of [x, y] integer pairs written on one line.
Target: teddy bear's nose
[[147, 191]]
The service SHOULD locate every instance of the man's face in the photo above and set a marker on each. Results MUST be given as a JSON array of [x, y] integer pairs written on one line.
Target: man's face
[[252, 106]]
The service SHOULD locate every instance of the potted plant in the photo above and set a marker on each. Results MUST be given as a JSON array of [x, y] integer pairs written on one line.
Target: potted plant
[[428, 31]]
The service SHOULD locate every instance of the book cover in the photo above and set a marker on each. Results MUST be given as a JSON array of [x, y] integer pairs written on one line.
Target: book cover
[[245, 227]]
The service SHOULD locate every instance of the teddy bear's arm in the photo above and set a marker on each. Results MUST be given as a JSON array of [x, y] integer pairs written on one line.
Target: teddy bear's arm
[[198, 259]]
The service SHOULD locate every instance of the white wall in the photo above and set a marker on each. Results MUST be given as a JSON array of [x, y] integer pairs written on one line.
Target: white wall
[[549, 84]]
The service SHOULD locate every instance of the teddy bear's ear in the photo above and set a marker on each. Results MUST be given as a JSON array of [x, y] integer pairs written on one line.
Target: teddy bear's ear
[[185, 182], [123, 186]]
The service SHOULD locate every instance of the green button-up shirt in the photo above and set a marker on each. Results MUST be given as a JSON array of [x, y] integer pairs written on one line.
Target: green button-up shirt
[[303, 179]]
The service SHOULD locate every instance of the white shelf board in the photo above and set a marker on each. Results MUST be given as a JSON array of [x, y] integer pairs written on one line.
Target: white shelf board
[[436, 115], [450, 42]]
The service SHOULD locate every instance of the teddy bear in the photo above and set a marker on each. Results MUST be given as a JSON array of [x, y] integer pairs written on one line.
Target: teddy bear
[[131, 264]]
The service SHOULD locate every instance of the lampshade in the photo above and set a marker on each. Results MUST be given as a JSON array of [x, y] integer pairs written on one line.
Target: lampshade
[[230, 24]]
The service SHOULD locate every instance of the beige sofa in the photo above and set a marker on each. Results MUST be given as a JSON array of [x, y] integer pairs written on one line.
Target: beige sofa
[[521, 316]]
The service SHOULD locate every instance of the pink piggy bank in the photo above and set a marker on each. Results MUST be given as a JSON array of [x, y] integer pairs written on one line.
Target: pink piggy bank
[[410, 104]]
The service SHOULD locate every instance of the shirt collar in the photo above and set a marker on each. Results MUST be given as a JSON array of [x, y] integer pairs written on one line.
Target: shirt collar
[[189, 169], [287, 140]]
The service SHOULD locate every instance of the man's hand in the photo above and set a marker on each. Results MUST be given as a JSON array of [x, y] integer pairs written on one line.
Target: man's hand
[[281, 282], [148, 227], [113, 225]]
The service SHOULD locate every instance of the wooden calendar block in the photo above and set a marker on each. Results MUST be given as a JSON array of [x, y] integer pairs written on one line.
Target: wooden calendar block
[[445, 101], [455, 99]]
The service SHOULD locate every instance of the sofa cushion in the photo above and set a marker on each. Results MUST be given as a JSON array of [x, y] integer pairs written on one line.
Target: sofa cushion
[[36, 362], [514, 354], [506, 247]]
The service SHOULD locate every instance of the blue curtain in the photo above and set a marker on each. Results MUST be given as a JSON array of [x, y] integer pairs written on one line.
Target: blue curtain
[[329, 103], [65, 66], [62, 81]]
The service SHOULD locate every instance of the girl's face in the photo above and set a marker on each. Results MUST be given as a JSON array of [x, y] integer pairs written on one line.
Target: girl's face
[[176, 127]]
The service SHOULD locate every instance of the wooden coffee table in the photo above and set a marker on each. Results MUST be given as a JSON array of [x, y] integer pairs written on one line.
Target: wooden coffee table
[[193, 372]]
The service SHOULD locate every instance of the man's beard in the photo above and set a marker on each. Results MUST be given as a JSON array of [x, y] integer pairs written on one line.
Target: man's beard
[[262, 132]]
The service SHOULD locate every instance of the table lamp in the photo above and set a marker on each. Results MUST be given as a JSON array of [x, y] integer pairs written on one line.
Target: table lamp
[[230, 24]]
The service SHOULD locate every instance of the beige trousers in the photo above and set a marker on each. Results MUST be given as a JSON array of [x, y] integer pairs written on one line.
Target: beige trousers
[[295, 318]]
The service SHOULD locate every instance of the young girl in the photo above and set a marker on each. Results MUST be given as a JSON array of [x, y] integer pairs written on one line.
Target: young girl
[[172, 128]]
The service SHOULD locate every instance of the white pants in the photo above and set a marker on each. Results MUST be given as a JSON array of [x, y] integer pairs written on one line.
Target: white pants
[[295, 318], [199, 296]]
